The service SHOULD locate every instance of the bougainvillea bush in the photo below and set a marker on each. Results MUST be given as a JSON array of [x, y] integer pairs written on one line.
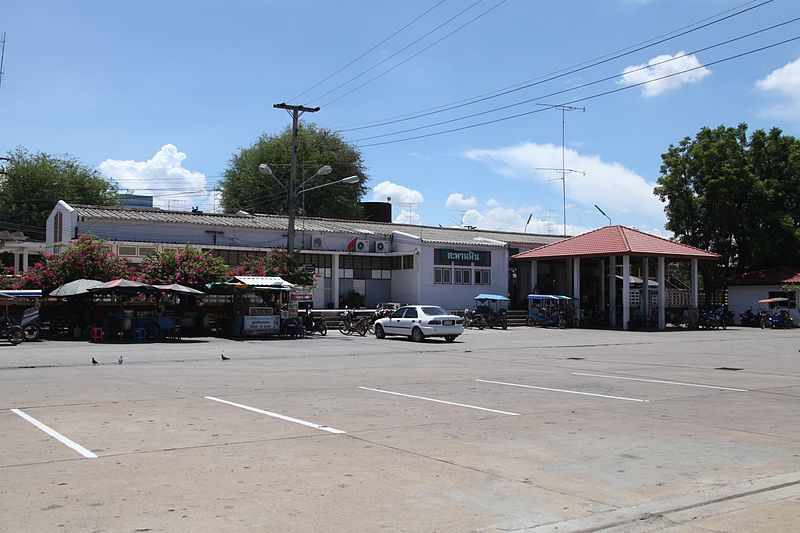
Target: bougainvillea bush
[[188, 266], [275, 263], [84, 258]]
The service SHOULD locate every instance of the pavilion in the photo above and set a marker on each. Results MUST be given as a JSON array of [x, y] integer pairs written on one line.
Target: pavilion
[[597, 252]]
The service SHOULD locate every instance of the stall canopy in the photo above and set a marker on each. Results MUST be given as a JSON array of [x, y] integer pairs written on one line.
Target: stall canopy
[[74, 288], [273, 282], [25, 293], [493, 297], [123, 286], [177, 288]]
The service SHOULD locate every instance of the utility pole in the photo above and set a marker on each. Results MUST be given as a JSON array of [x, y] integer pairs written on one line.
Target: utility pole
[[563, 170], [291, 204], [2, 56]]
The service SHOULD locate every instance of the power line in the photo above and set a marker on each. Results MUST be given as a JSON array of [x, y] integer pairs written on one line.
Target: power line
[[591, 97], [498, 4], [399, 51], [296, 98], [560, 73]]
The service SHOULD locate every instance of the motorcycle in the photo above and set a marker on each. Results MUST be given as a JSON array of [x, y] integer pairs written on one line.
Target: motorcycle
[[347, 324], [473, 319], [314, 324], [749, 319], [712, 319]]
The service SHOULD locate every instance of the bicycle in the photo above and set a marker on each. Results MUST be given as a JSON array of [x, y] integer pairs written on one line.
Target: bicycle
[[12, 332]]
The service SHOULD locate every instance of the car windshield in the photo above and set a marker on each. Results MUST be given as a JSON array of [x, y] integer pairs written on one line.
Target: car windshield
[[432, 310]]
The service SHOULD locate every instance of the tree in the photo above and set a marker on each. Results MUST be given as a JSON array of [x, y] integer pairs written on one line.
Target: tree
[[34, 183], [275, 263], [735, 196], [84, 258], [244, 188], [188, 266]]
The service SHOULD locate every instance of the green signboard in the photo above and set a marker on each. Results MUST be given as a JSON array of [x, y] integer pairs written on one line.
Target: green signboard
[[462, 257]]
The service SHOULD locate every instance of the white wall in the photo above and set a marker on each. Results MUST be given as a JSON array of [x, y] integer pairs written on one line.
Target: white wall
[[741, 298]]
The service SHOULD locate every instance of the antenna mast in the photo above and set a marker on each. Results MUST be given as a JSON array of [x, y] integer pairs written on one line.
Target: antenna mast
[[2, 56]]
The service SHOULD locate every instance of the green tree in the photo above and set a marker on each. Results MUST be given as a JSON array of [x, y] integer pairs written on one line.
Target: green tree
[[34, 183], [188, 266], [244, 188], [736, 196]]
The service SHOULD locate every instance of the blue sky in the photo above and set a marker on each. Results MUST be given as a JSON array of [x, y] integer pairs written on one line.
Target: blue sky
[[159, 95]]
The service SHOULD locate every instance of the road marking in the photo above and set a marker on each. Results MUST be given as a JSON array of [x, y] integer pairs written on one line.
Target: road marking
[[56, 435], [441, 401], [660, 381], [277, 415], [562, 390]]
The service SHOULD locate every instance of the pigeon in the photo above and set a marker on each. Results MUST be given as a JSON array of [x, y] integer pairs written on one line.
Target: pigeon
[[94, 361], [119, 361], [224, 358]]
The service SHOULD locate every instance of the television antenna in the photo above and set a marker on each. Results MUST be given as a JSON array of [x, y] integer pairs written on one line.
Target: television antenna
[[563, 170], [2, 56]]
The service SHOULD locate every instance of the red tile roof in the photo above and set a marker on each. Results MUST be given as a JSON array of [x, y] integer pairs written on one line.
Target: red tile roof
[[770, 276], [616, 240]]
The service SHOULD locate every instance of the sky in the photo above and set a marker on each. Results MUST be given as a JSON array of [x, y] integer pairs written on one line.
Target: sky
[[451, 102]]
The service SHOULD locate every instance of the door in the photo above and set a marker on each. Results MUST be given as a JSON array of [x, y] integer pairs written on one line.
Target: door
[[406, 324], [393, 324]]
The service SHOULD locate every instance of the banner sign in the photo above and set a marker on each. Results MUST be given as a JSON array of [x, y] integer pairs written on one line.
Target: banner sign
[[462, 257]]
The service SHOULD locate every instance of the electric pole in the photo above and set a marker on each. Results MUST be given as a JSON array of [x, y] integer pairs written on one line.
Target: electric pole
[[564, 109], [291, 204]]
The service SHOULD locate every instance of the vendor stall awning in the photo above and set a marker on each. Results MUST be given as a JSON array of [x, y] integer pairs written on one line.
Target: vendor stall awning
[[265, 281]]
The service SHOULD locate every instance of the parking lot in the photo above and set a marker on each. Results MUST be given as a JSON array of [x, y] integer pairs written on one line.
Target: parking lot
[[525, 429]]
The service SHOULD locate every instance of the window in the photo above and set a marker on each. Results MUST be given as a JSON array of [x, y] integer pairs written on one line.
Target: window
[[147, 250], [462, 276], [483, 277], [408, 262], [58, 224], [398, 313], [441, 275], [127, 250], [411, 312]]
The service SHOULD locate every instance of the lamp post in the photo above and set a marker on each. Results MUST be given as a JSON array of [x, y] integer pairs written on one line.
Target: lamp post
[[294, 194]]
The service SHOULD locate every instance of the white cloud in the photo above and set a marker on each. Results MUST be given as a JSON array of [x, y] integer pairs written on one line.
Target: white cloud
[[609, 184], [786, 81], [662, 66], [398, 194], [491, 202], [458, 201], [163, 177], [408, 217], [501, 218]]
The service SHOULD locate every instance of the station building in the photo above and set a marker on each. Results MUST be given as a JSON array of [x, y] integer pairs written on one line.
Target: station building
[[381, 261]]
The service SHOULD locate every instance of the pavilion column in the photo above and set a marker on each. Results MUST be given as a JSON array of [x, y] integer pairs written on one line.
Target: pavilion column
[[25, 260], [695, 284], [602, 285], [16, 261], [576, 286], [626, 291], [612, 290], [646, 284], [661, 293], [335, 280], [534, 275]]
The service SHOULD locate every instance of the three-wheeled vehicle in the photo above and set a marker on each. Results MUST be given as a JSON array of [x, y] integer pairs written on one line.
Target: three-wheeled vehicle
[[493, 308], [547, 310], [777, 316]]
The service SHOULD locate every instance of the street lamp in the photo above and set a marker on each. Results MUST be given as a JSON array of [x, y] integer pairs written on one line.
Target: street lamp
[[263, 168]]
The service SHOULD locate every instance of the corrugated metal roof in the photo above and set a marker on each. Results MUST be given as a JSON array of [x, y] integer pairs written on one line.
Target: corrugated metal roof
[[770, 276], [616, 240], [430, 234]]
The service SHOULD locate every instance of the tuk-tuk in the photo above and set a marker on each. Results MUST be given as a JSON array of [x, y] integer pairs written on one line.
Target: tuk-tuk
[[777, 314], [547, 310], [493, 308]]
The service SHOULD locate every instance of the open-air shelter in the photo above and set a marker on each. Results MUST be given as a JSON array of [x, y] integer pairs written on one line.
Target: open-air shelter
[[599, 251]]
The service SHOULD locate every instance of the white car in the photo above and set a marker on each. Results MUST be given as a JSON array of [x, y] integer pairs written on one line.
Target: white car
[[420, 321]]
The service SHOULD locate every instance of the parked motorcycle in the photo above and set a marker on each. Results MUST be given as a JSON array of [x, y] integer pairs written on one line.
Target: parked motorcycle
[[749, 318], [712, 319], [314, 324], [473, 319], [495, 319], [347, 324]]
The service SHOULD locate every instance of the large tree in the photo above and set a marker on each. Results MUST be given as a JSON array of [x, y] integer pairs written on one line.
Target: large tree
[[734, 195], [244, 188], [33, 183]]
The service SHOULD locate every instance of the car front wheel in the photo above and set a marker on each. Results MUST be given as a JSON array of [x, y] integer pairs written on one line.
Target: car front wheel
[[417, 335], [379, 333], [450, 338]]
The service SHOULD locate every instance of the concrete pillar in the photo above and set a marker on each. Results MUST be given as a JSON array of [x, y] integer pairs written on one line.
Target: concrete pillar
[[626, 291], [602, 285], [695, 284], [534, 275], [335, 280], [25, 260], [16, 262], [567, 278], [646, 285], [576, 286], [662, 291], [612, 290]]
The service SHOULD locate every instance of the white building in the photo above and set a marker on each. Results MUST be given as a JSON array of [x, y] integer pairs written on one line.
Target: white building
[[381, 261], [746, 290]]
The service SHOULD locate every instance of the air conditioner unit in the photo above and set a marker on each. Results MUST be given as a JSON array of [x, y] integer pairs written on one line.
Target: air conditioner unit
[[317, 242], [383, 247], [362, 245]]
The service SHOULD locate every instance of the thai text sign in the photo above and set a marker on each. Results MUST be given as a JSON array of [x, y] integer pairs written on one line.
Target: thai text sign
[[462, 257]]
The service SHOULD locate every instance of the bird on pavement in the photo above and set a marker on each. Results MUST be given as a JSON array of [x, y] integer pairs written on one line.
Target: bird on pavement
[[224, 358], [94, 361], [119, 361]]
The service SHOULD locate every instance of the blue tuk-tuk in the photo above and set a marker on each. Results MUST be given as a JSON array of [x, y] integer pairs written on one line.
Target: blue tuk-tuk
[[493, 308], [547, 310]]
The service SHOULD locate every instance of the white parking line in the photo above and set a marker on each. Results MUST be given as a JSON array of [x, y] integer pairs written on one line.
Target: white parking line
[[659, 381], [441, 401], [277, 415], [56, 435], [562, 390]]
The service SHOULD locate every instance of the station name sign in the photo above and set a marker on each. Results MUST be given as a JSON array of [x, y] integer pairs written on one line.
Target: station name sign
[[462, 257]]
